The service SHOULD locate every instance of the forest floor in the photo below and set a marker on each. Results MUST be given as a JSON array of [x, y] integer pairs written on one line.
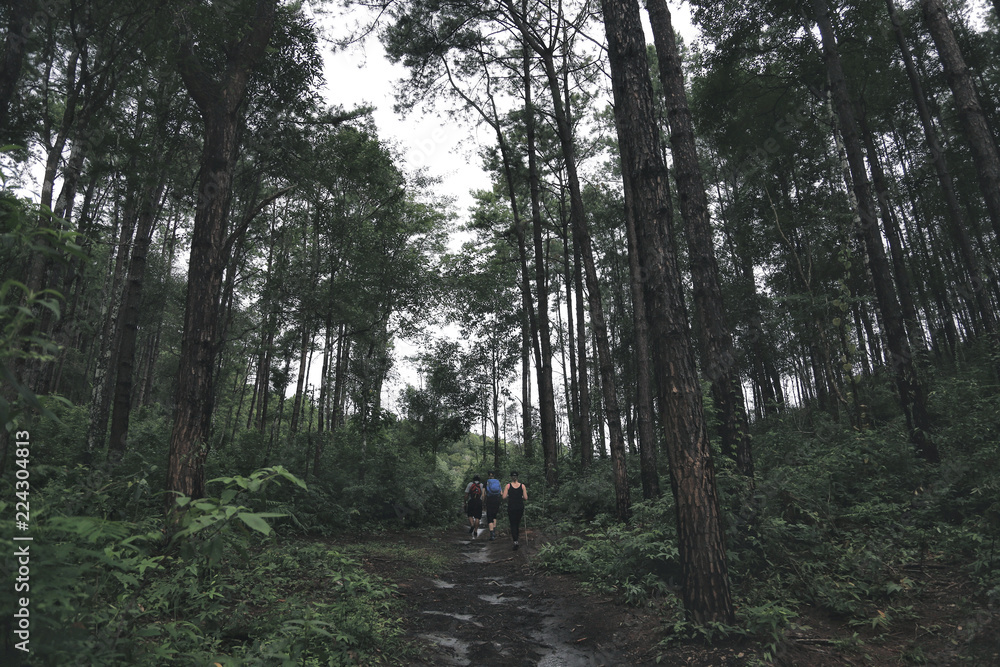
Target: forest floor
[[489, 605]]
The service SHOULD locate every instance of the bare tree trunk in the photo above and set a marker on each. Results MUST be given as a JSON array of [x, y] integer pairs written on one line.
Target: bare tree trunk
[[106, 352], [586, 427], [573, 380], [719, 358], [564, 129], [300, 384], [643, 365], [12, 59], [956, 221], [974, 123], [546, 392], [894, 236], [911, 390], [701, 543], [129, 329]]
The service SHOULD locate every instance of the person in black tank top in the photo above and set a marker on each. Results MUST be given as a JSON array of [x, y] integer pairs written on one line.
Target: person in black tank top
[[515, 493]]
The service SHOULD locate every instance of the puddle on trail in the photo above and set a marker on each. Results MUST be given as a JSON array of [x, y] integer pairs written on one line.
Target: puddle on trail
[[477, 556], [543, 634], [561, 648], [464, 618]]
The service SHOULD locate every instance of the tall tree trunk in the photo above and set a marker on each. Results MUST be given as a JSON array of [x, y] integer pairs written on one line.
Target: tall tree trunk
[[586, 427], [221, 103], [546, 393], [106, 352], [301, 382], [12, 60], [340, 381], [643, 365], [581, 232], [573, 399], [974, 122], [719, 358], [956, 221], [893, 235], [912, 393], [529, 320], [129, 328], [701, 543]]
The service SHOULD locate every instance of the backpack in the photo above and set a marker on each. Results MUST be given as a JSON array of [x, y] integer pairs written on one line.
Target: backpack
[[493, 487], [476, 489]]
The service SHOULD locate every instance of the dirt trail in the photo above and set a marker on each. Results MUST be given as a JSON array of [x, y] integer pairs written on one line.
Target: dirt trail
[[491, 608], [489, 605]]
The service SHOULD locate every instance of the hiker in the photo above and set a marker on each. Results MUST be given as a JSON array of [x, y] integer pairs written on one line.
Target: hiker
[[515, 493], [493, 496], [474, 504]]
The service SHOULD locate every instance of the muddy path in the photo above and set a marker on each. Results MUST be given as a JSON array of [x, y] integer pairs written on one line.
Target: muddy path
[[477, 602], [481, 603], [490, 606]]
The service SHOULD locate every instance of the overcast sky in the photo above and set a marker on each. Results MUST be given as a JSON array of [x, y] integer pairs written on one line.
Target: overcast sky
[[362, 75]]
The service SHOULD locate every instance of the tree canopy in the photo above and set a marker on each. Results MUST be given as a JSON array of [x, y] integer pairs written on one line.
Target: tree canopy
[[732, 261]]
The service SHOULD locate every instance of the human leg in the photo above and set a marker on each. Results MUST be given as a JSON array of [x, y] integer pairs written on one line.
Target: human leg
[[492, 509], [515, 514]]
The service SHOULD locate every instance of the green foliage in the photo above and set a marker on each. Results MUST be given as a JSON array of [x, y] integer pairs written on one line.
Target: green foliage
[[23, 237], [384, 484], [838, 519], [442, 409], [219, 589], [584, 494], [638, 561]]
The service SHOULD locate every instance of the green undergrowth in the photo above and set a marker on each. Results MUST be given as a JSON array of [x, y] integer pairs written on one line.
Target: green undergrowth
[[839, 520], [408, 562], [225, 588]]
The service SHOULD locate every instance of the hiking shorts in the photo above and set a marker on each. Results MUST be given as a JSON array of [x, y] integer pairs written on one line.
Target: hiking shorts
[[492, 508], [474, 507]]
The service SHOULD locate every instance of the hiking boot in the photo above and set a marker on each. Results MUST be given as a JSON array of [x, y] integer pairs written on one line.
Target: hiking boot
[[493, 536], [472, 529], [515, 546]]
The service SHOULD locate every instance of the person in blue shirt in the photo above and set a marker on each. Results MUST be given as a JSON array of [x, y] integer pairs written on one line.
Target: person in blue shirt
[[494, 494]]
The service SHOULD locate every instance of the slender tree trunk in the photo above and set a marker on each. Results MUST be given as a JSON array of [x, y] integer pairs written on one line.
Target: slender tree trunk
[[586, 427], [719, 358], [701, 540], [324, 375], [956, 221], [546, 395], [12, 59], [974, 123], [911, 390], [340, 382], [573, 400], [300, 384], [582, 233], [129, 328], [526, 434], [894, 236], [107, 351], [529, 321], [643, 365]]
